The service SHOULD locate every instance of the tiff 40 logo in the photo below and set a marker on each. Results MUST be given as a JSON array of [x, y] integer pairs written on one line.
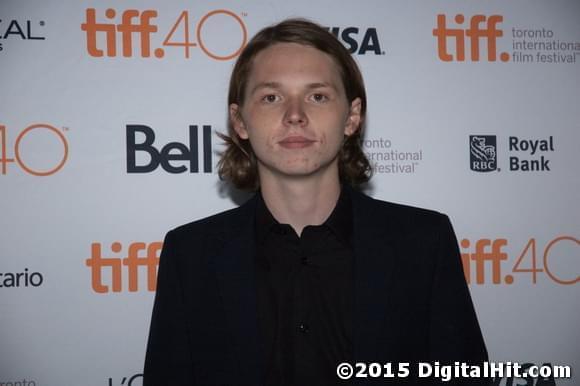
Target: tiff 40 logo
[[37, 136], [485, 261], [206, 34]]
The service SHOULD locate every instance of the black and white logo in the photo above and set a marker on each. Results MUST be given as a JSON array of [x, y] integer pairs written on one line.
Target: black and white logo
[[483, 153], [174, 157]]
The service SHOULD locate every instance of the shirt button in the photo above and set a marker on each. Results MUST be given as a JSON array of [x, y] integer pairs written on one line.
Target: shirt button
[[303, 328]]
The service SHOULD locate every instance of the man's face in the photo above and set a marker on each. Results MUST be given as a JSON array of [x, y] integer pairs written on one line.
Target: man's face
[[295, 113]]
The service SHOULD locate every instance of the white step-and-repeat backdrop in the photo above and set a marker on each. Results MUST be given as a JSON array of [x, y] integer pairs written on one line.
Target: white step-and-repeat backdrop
[[473, 111]]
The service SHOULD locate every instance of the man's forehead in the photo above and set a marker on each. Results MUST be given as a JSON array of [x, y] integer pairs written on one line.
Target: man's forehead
[[292, 53], [290, 62]]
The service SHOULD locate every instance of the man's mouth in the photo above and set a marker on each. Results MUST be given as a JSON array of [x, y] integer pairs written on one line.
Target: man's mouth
[[296, 142]]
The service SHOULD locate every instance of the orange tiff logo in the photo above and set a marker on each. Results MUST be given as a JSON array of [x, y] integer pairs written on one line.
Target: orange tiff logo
[[487, 252], [480, 28], [134, 22], [488, 261], [135, 258], [22, 157]]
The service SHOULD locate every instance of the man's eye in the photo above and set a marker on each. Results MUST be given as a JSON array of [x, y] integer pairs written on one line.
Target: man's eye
[[270, 98], [319, 98]]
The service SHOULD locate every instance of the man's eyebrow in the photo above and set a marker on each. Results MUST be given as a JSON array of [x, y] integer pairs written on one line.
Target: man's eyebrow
[[321, 85], [265, 85], [277, 85]]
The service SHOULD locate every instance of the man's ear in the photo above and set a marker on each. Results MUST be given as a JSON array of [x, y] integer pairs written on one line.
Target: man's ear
[[353, 119], [237, 121]]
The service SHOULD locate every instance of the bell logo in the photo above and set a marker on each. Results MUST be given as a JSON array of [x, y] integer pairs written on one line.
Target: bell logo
[[133, 261], [173, 151], [480, 27]]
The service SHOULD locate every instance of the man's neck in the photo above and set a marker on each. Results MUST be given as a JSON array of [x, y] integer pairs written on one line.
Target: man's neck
[[301, 202]]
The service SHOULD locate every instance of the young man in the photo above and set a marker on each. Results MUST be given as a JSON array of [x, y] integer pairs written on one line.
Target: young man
[[308, 273]]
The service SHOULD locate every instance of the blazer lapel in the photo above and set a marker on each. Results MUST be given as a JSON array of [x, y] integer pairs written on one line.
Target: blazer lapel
[[235, 270], [374, 258]]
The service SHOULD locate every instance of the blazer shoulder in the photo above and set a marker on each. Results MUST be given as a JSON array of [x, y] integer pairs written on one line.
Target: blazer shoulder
[[401, 212], [400, 221], [215, 224]]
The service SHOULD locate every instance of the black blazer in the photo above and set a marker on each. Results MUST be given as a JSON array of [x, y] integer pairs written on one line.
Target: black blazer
[[411, 299]]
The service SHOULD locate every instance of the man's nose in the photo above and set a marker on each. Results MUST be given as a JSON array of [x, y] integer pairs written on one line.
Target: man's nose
[[295, 114]]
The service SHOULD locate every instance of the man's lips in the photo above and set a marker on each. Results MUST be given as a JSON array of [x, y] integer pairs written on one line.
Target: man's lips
[[295, 142]]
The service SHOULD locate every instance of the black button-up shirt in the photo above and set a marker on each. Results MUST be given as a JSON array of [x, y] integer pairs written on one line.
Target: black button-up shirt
[[305, 296]]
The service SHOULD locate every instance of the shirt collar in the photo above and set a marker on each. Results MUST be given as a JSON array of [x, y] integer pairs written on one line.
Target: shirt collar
[[265, 221], [339, 221]]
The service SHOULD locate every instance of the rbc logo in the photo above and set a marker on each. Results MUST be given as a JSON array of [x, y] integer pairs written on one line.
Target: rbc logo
[[483, 153], [489, 32], [171, 152], [350, 37]]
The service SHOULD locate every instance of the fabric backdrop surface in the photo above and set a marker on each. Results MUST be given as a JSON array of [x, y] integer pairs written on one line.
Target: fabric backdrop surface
[[108, 139]]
